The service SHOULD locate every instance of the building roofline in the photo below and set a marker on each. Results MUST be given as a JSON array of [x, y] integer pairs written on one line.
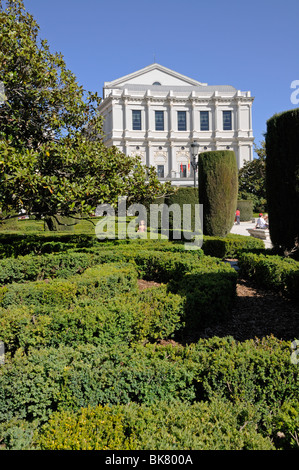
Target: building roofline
[[148, 68]]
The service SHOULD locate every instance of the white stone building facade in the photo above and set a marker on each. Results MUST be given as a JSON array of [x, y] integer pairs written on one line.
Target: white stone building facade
[[157, 113]]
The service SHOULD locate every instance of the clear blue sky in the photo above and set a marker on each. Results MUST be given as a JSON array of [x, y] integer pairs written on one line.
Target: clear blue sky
[[252, 45]]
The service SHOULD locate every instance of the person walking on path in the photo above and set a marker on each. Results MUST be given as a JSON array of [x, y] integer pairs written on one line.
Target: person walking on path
[[237, 217]]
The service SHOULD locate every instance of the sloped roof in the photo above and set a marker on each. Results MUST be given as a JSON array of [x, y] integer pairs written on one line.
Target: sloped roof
[[153, 67]]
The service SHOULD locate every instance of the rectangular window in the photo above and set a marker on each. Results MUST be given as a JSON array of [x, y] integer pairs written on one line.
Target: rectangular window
[[160, 171], [183, 171], [159, 120], [136, 118], [182, 121], [227, 120], [204, 120]]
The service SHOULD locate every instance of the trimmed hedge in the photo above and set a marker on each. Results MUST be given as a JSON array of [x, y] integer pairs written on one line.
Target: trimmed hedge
[[271, 272], [66, 264], [255, 371], [246, 209], [102, 281], [16, 244], [218, 191], [82, 352], [201, 426], [149, 315], [231, 246], [282, 178], [36, 385], [182, 196], [51, 379], [207, 285], [71, 262]]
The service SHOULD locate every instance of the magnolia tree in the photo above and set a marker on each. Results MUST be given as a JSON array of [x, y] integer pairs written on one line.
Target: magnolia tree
[[52, 157]]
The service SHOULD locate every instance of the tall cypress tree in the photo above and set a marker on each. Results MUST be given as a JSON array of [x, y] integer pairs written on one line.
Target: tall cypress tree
[[218, 190], [282, 178]]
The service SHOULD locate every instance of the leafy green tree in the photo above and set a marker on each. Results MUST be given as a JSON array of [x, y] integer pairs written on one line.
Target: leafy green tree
[[252, 180], [52, 159], [43, 99]]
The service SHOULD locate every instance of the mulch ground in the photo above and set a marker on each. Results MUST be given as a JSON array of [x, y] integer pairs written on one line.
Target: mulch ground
[[256, 313]]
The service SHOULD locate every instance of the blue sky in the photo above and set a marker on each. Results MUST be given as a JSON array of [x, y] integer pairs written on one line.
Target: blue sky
[[250, 45]]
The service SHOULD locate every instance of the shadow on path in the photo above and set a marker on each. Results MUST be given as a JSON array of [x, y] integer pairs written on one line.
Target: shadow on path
[[256, 313]]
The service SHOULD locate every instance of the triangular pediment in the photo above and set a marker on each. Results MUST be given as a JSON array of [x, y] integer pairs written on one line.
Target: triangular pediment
[[154, 74]]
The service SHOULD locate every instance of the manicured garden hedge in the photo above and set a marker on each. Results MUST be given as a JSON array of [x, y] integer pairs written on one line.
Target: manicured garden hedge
[[149, 315], [218, 190], [207, 285], [246, 209], [282, 178], [249, 376], [84, 345], [16, 244], [231, 246], [102, 281], [204, 426], [271, 272], [182, 196]]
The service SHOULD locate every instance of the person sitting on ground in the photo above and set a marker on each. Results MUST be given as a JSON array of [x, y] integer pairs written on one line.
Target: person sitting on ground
[[142, 226], [260, 223]]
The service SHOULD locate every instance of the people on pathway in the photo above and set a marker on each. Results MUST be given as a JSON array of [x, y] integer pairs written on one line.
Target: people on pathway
[[237, 217], [261, 223]]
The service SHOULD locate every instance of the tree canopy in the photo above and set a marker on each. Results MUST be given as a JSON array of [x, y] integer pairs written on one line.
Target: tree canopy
[[52, 156], [252, 179]]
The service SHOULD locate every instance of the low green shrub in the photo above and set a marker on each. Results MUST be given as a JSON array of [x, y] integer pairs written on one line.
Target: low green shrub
[[271, 272], [286, 426], [34, 268], [20, 244], [246, 209], [104, 281], [66, 264], [209, 290], [146, 316], [17, 434], [35, 385], [46, 380], [181, 426], [163, 266], [254, 371], [231, 246], [13, 245]]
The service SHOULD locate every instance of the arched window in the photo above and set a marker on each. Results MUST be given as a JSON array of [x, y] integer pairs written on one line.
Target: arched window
[[156, 83]]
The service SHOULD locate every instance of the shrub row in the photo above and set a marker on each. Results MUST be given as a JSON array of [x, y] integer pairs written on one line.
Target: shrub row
[[206, 284], [45, 381], [203, 426], [149, 315], [66, 264], [16, 245], [271, 272], [231, 246], [102, 281]]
